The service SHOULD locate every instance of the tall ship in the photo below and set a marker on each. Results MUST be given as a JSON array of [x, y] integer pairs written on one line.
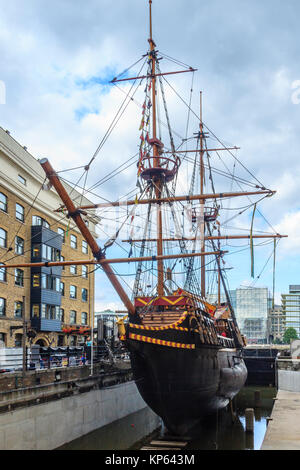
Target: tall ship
[[182, 334]]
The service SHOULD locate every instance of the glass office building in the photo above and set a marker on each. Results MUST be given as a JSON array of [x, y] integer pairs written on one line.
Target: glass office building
[[251, 306], [252, 313], [291, 308]]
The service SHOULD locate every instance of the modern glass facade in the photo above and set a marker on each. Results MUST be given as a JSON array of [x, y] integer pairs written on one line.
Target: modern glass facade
[[252, 313], [277, 322], [251, 307], [291, 308]]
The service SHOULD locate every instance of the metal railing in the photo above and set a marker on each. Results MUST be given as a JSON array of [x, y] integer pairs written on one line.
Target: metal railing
[[37, 358]]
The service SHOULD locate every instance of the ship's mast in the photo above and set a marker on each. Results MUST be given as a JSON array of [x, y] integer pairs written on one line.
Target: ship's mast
[[156, 160], [202, 202]]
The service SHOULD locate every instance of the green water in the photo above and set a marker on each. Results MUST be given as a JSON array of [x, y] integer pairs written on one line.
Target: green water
[[226, 430]]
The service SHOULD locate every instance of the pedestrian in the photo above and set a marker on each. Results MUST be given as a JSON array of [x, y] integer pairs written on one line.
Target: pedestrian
[[88, 349]]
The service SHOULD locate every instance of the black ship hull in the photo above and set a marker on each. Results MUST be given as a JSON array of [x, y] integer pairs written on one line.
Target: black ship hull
[[183, 386]]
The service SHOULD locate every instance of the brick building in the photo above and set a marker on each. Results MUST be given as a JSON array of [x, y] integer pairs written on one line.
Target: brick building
[[52, 299]]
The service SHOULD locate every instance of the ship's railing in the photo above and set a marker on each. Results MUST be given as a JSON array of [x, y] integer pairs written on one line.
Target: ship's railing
[[226, 342]]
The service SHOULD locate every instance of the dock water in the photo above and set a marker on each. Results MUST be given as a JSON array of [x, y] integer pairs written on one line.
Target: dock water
[[219, 432]]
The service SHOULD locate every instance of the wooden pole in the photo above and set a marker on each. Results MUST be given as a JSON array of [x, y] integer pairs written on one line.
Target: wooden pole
[[205, 150], [75, 214], [155, 75], [249, 417], [195, 197], [214, 237], [156, 163], [104, 262], [202, 202], [24, 336]]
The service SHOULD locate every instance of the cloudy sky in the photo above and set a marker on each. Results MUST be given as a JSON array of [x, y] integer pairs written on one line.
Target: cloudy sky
[[57, 59]]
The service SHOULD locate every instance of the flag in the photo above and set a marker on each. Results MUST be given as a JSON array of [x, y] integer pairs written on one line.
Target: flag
[[222, 312], [209, 308]]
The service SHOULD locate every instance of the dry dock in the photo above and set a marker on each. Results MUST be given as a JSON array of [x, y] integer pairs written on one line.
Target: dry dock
[[283, 431]]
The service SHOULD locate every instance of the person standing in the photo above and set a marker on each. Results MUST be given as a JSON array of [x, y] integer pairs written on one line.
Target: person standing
[[88, 349]]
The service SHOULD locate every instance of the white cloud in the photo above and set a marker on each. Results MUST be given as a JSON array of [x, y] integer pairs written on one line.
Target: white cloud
[[246, 63], [289, 225]]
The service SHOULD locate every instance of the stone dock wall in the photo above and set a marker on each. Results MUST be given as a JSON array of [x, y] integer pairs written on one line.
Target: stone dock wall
[[49, 415]]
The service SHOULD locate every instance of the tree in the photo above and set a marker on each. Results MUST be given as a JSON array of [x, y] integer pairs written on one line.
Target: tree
[[289, 335]]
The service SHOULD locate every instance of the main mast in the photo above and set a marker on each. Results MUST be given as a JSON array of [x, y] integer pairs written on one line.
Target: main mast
[[202, 202], [156, 163]]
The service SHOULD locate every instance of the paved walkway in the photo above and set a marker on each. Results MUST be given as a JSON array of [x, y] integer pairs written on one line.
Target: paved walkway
[[283, 432]]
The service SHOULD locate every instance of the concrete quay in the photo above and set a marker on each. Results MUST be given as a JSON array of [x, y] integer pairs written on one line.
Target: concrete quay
[[283, 432], [50, 408]]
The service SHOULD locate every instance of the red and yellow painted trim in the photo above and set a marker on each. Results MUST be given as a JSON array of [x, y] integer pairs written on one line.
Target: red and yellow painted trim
[[166, 301], [172, 326], [157, 328], [161, 342]]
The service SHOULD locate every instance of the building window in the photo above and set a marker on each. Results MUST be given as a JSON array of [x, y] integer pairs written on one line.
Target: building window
[[62, 258], [44, 281], [61, 232], [84, 271], [73, 241], [49, 253], [84, 318], [50, 312], [19, 277], [36, 280], [84, 247], [84, 294], [18, 340], [61, 314], [22, 180], [37, 220], [73, 341], [3, 238], [19, 246], [2, 275], [3, 202], [60, 340], [3, 338], [57, 284], [62, 288], [18, 309], [73, 269], [36, 250], [72, 317], [2, 307], [73, 292], [35, 311], [20, 211]]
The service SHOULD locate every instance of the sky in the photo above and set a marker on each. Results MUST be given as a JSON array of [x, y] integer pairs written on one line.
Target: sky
[[58, 57]]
